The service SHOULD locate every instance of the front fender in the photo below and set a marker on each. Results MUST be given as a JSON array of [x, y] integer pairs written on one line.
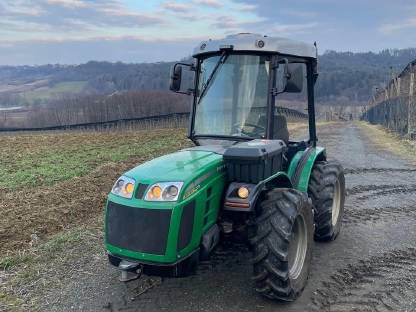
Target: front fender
[[234, 203]]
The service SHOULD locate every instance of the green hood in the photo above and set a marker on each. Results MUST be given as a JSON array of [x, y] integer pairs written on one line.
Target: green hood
[[183, 166]]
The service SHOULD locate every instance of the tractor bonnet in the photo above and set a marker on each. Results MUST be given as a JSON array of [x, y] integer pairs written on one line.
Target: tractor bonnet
[[256, 43]]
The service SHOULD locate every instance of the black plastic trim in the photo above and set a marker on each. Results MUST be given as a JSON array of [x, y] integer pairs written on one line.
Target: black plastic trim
[[141, 188], [187, 225]]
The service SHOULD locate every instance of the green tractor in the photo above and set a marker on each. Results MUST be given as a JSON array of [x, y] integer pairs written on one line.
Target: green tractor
[[243, 176]]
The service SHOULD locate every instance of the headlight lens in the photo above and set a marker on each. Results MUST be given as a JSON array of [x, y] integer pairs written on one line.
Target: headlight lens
[[124, 187], [243, 192], [164, 191]]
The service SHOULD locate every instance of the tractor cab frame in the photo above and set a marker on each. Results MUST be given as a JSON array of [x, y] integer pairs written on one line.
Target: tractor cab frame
[[286, 62]]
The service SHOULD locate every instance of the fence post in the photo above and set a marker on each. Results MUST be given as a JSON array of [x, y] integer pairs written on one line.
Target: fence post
[[398, 86], [411, 112]]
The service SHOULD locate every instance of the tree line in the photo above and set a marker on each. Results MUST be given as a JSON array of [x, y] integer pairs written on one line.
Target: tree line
[[72, 110]]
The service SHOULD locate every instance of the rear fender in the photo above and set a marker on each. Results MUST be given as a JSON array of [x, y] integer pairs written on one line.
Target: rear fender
[[300, 168]]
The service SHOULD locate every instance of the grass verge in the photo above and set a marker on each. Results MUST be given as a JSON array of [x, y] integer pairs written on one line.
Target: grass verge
[[30, 273], [390, 141]]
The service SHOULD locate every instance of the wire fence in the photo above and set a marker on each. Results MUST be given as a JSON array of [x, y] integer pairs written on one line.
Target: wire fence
[[394, 107], [176, 120]]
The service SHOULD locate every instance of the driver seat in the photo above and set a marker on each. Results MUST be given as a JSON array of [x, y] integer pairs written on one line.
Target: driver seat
[[280, 130]]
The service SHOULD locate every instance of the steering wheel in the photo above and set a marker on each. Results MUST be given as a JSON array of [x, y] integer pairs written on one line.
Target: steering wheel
[[257, 129], [255, 126]]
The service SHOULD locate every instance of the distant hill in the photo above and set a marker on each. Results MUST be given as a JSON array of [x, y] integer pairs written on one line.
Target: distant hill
[[345, 77]]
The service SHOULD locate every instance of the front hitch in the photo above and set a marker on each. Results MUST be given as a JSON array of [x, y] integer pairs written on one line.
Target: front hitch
[[129, 270]]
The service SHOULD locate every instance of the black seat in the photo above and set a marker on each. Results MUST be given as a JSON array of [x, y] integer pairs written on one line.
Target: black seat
[[280, 130]]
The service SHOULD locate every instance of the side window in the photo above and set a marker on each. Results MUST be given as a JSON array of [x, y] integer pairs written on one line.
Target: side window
[[292, 107]]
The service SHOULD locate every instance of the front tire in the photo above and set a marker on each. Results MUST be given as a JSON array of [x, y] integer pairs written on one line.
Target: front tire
[[327, 191], [282, 244]]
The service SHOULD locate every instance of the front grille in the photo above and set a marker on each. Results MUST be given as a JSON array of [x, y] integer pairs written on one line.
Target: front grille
[[138, 229]]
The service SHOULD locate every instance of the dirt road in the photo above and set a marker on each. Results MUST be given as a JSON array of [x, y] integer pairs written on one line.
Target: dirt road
[[370, 267]]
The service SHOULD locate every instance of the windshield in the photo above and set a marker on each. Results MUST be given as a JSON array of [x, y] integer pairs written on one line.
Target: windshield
[[234, 98]]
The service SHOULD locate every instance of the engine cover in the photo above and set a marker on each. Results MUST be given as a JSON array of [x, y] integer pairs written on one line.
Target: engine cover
[[254, 161]]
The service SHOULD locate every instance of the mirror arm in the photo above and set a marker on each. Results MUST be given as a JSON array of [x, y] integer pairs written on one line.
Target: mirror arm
[[188, 92], [275, 92], [191, 66]]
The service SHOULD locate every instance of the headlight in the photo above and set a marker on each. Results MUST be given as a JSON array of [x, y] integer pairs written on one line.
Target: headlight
[[124, 187], [164, 191]]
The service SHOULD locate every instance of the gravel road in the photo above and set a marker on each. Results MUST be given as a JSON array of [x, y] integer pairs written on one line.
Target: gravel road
[[370, 267]]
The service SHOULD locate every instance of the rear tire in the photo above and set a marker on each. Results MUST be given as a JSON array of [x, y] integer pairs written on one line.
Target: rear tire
[[327, 191], [281, 240]]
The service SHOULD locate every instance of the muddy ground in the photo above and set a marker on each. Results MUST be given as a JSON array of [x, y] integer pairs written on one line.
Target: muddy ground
[[370, 267]]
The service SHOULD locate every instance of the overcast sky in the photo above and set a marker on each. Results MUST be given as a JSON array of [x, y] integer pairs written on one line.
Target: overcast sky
[[76, 31]]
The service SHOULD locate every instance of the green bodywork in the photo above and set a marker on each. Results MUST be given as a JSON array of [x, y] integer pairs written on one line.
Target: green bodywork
[[316, 153], [206, 168], [199, 170]]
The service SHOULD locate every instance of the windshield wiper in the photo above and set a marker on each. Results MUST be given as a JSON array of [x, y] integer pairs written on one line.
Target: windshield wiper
[[222, 60]]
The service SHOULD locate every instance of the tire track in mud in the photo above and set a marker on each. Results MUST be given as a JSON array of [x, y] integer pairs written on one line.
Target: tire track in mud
[[380, 283], [394, 191], [381, 190], [372, 215], [377, 170], [359, 189]]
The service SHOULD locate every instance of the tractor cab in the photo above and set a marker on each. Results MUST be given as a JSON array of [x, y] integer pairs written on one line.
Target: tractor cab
[[236, 84]]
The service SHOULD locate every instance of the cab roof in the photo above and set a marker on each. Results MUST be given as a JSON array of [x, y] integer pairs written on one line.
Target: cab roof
[[255, 42]]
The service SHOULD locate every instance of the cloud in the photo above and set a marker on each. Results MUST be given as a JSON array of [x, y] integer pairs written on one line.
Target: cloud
[[235, 24], [69, 3], [209, 3], [19, 8], [297, 13], [71, 16], [176, 7], [390, 28], [246, 7], [285, 30]]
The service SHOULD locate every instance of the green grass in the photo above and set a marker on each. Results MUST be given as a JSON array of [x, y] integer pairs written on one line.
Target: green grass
[[44, 159], [59, 88]]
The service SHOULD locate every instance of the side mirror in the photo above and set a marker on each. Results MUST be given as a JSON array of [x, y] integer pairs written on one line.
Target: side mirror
[[175, 78], [290, 77], [294, 83]]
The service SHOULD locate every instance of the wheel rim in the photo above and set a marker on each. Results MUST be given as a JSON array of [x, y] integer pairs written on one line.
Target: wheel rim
[[297, 247], [336, 203]]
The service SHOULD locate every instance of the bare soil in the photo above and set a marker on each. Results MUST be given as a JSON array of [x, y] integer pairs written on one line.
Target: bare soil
[[76, 172]]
